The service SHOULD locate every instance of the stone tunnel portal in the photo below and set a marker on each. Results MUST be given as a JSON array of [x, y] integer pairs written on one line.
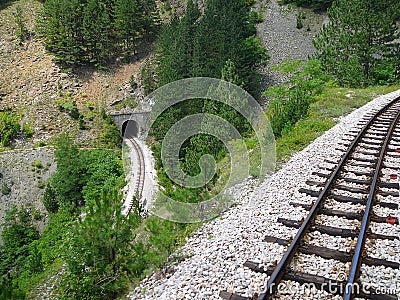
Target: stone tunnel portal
[[129, 129]]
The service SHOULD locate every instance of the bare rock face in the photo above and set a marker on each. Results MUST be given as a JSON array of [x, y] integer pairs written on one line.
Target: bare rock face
[[22, 180]]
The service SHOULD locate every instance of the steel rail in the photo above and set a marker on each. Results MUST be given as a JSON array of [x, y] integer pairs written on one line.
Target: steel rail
[[141, 171], [280, 269], [357, 258]]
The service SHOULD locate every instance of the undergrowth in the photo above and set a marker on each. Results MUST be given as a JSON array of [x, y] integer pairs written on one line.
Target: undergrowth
[[324, 113]]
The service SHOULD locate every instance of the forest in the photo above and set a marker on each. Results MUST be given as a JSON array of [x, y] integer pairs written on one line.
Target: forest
[[94, 250]]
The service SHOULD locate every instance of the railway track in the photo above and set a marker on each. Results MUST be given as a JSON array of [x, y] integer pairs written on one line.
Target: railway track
[[363, 181], [141, 172]]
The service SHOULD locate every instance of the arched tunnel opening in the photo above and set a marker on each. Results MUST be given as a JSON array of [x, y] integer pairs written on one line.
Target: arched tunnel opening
[[130, 128]]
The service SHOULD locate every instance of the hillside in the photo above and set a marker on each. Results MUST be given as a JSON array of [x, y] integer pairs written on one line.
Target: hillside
[[32, 85], [62, 171]]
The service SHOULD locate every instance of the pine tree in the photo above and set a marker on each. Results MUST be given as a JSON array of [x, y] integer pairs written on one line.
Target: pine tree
[[169, 53], [128, 22], [21, 30], [150, 19], [101, 251], [60, 27], [225, 33], [68, 181], [358, 45], [96, 30]]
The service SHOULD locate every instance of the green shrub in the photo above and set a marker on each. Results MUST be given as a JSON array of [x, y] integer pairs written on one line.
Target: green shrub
[[103, 113], [9, 126], [299, 23], [37, 214], [249, 2], [147, 77], [292, 100], [37, 164], [41, 184], [41, 144], [82, 123], [5, 190], [69, 106], [110, 137], [27, 129], [49, 199], [255, 17], [21, 31]]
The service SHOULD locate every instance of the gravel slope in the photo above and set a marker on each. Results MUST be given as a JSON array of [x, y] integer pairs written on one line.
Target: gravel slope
[[216, 253], [281, 37]]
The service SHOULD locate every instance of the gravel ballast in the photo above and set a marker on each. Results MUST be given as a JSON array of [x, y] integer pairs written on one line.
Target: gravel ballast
[[216, 252]]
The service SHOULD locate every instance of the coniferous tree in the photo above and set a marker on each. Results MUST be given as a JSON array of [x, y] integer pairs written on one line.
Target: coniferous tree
[[315, 4], [150, 18], [94, 31], [218, 42], [100, 253], [128, 21], [358, 45], [59, 27], [68, 181], [169, 53], [200, 46]]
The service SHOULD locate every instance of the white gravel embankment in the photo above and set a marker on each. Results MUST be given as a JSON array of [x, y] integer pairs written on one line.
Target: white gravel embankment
[[219, 249], [131, 168]]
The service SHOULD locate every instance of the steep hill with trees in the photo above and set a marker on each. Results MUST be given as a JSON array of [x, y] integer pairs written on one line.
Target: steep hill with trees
[[89, 249], [360, 45], [220, 42], [89, 31]]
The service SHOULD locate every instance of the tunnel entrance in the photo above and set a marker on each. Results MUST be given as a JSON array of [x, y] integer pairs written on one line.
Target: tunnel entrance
[[130, 128]]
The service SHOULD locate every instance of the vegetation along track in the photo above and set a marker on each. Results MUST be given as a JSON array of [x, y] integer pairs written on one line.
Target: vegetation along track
[[140, 172], [365, 179]]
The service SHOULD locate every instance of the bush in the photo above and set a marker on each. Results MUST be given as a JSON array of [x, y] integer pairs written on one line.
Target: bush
[[41, 184], [9, 126], [21, 31], [291, 100], [286, 113], [5, 190], [28, 130], [81, 176], [299, 22], [49, 199], [110, 137], [37, 164], [147, 77], [41, 144]]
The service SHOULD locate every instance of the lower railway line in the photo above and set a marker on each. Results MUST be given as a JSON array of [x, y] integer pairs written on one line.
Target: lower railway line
[[362, 182], [138, 190]]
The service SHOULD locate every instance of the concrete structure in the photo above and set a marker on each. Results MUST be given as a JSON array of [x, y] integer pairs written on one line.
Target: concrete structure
[[133, 124]]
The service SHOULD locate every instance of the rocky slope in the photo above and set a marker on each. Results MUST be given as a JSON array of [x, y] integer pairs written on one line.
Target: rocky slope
[[283, 39], [32, 85], [22, 180]]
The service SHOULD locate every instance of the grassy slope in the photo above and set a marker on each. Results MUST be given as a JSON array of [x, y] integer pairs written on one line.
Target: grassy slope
[[324, 114]]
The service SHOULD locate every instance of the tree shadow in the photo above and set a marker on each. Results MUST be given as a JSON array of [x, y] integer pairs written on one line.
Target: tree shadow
[[5, 3], [86, 72]]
